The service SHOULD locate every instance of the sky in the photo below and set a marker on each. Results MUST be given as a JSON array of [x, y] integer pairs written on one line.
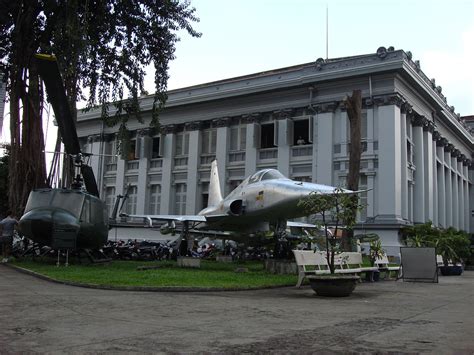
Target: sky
[[242, 37]]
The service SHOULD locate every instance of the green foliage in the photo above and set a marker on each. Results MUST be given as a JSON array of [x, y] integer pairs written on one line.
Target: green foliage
[[451, 244], [376, 251], [125, 273], [337, 210]]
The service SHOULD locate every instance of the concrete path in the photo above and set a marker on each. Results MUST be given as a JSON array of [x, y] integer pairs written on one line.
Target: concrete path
[[384, 317]]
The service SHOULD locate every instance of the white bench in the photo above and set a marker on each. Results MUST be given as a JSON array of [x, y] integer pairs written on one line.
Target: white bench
[[310, 263], [315, 263], [353, 261], [383, 264]]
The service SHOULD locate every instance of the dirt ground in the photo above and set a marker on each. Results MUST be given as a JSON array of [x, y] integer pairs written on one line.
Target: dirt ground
[[380, 317]]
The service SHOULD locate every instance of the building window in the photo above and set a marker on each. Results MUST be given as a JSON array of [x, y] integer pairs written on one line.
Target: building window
[[180, 199], [131, 203], [109, 198], [182, 144], [363, 124], [209, 141], [410, 152], [110, 151], [131, 154], [267, 136], [155, 148], [155, 199], [302, 132], [238, 138]]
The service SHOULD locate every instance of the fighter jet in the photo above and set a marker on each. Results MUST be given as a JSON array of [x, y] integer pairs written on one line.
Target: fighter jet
[[264, 201]]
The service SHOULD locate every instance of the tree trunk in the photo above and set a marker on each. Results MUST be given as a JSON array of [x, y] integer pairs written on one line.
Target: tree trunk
[[27, 163], [354, 106]]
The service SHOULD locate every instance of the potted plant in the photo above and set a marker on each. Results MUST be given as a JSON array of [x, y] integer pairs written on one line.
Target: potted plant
[[376, 252], [332, 210], [453, 246]]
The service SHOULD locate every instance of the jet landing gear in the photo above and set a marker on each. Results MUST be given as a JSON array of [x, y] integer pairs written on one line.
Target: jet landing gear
[[183, 249], [282, 244]]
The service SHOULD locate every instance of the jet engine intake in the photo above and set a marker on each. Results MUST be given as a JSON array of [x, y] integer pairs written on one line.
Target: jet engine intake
[[234, 207]]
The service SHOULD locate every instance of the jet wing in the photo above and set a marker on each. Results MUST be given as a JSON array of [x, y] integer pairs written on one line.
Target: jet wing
[[301, 224], [168, 217]]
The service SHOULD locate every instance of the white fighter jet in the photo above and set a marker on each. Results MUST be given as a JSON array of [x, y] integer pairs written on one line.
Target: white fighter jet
[[264, 201]]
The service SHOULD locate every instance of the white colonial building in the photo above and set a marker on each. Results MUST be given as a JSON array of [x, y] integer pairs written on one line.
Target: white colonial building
[[417, 152]]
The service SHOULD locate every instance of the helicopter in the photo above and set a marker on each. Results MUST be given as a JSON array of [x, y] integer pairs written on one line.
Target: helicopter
[[65, 218]]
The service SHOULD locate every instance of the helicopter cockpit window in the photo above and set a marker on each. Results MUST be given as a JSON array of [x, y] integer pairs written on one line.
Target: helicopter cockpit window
[[39, 198], [70, 201], [86, 210], [272, 175], [97, 215]]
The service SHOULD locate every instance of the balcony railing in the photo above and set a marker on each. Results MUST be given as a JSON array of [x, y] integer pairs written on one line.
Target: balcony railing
[[268, 154], [206, 159], [236, 156], [156, 163]]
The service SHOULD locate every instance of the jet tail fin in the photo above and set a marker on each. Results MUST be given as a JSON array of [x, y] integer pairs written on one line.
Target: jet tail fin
[[215, 195]]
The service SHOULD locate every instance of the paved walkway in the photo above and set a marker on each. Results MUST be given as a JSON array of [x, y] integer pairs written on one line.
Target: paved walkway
[[387, 316]]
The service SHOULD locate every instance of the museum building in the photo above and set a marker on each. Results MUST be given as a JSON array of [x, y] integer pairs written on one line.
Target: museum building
[[417, 160]]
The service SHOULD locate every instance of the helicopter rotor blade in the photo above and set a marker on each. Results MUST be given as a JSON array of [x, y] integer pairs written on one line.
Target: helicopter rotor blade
[[49, 71], [89, 180]]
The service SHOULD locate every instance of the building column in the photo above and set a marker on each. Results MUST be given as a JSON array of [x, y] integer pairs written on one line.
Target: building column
[[404, 162], [428, 171], [441, 188], [221, 150], [142, 184], [434, 175], [455, 193], [370, 194], [419, 187], [120, 176], [193, 165], [448, 188], [284, 146], [95, 143], [470, 192], [323, 147], [467, 207], [462, 205], [389, 133], [251, 140], [370, 131], [169, 137]]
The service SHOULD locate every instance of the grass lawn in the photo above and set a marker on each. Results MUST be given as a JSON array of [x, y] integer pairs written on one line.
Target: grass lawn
[[125, 273]]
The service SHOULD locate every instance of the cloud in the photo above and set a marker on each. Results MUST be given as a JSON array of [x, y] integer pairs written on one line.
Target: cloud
[[454, 71]]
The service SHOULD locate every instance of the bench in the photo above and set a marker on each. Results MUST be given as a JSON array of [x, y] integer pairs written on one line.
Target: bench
[[315, 263], [353, 261], [309, 263], [383, 264]]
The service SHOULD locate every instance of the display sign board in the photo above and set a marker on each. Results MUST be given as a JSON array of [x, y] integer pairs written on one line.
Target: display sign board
[[419, 264]]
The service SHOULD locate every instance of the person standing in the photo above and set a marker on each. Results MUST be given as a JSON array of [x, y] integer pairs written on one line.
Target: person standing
[[7, 226]]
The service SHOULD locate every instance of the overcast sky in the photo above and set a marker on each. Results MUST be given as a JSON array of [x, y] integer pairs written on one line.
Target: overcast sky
[[242, 37]]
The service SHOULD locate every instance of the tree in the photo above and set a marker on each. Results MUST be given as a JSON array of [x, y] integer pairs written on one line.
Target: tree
[[4, 180], [104, 45], [354, 106], [334, 210]]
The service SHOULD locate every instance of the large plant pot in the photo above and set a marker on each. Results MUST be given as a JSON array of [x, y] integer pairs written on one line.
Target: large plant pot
[[452, 270], [333, 285]]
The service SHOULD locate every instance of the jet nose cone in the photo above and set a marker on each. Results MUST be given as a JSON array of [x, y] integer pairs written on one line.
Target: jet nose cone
[[308, 187]]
